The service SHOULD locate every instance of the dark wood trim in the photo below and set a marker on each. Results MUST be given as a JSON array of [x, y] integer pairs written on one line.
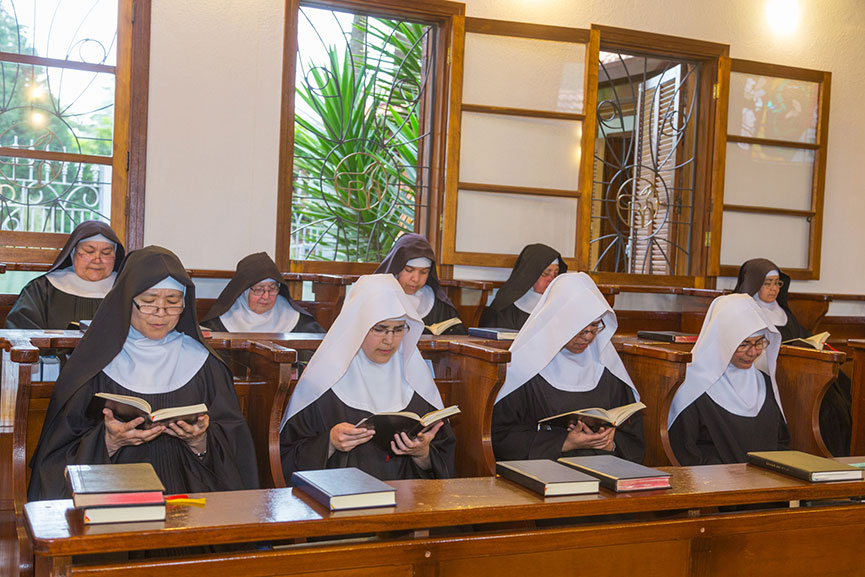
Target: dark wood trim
[[52, 155], [56, 63], [420, 9], [482, 187], [526, 30], [286, 137], [819, 176], [770, 142], [587, 151], [624, 40], [664, 282], [777, 70], [448, 217], [137, 166], [769, 210], [528, 113]]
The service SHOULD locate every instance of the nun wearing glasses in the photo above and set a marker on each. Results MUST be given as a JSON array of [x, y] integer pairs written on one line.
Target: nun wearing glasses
[[728, 404], [144, 341], [563, 360], [368, 363], [76, 283], [257, 300]]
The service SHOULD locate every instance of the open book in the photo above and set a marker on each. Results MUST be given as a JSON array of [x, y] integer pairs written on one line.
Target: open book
[[813, 342], [386, 425], [440, 328], [126, 408], [593, 418]]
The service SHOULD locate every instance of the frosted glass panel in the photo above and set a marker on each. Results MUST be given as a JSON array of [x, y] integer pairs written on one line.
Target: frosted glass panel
[[774, 108], [759, 175], [781, 239], [500, 223], [520, 151], [524, 73]]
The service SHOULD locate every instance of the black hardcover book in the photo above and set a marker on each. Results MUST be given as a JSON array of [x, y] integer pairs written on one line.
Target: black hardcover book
[[494, 334], [805, 466], [619, 474], [667, 336], [386, 425], [347, 488], [547, 477]]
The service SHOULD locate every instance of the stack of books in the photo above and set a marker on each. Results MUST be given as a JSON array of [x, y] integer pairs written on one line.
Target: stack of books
[[117, 493]]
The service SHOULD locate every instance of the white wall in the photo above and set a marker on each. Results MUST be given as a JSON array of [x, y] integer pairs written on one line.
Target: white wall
[[215, 92]]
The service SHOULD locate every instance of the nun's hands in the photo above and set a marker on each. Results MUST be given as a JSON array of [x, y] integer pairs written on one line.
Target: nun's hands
[[119, 434], [345, 437], [194, 435], [581, 437], [417, 448]]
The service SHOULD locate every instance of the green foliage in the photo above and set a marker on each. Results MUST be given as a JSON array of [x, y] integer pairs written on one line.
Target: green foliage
[[356, 152]]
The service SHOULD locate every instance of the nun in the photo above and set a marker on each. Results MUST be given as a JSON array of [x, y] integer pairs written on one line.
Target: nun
[[76, 283], [768, 286], [368, 363], [728, 404], [536, 267], [413, 263], [257, 300], [563, 360], [144, 341]]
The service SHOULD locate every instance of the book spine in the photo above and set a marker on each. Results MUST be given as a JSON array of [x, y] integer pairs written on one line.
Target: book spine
[[781, 468], [313, 491], [530, 482]]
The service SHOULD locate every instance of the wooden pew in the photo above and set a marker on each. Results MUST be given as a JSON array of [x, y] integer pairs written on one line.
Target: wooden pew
[[857, 390], [655, 533], [258, 368]]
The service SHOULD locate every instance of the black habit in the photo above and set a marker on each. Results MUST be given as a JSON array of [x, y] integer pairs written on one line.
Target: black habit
[[42, 306], [705, 433], [411, 246], [836, 423], [531, 262], [305, 440], [69, 437], [515, 431], [252, 270]]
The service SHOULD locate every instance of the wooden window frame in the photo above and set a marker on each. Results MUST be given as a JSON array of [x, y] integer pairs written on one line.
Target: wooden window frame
[[818, 176], [448, 18], [129, 158]]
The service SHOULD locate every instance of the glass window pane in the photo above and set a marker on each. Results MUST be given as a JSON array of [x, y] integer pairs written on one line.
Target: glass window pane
[[772, 176], [52, 196], [744, 237], [62, 29], [499, 223], [773, 108], [56, 109], [520, 151], [524, 73]]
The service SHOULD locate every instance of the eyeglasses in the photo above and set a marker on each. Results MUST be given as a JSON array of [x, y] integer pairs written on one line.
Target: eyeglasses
[[771, 283], [171, 310], [381, 330], [757, 345], [269, 289], [592, 329]]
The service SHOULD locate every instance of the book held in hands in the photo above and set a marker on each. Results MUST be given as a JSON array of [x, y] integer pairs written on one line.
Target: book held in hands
[[547, 477], [805, 466], [593, 418], [118, 493], [127, 408], [347, 488], [386, 425], [619, 474]]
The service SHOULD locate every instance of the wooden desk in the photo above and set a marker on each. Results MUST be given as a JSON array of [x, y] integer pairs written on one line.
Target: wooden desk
[[857, 391], [654, 533]]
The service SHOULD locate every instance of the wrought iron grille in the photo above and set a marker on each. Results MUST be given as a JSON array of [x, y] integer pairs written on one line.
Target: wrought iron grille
[[644, 177], [363, 142], [54, 107]]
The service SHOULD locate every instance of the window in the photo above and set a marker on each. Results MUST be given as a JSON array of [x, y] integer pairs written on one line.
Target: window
[[365, 98], [66, 109]]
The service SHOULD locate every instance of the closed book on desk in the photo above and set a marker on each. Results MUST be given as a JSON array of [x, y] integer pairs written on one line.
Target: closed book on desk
[[348, 488], [667, 336], [110, 485], [805, 466], [386, 425], [124, 514], [817, 341], [127, 408], [494, 334], [547, 477], [594, 418], [619, 474]]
